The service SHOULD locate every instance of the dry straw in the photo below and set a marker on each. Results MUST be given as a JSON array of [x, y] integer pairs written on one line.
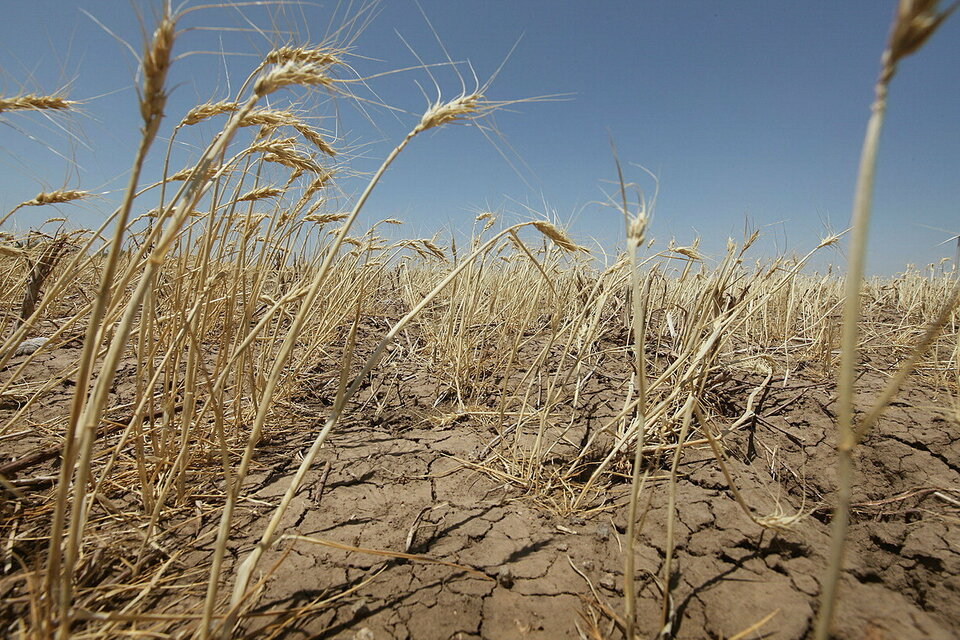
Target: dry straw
[[434, 250], [269, 536]]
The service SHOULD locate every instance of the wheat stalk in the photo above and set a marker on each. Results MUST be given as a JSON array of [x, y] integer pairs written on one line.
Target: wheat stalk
[[43, 198], [32, 102], [206, 111], [915, 22], [84, 412]]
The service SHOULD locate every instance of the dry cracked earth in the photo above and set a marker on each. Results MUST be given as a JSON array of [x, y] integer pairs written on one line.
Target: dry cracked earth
[[491, 559]]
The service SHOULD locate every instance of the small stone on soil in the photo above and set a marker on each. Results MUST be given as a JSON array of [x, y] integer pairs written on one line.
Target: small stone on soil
[[609, 582]]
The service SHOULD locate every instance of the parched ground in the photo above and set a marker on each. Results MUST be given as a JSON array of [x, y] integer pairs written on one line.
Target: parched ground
[[400, 475], [403, 483]]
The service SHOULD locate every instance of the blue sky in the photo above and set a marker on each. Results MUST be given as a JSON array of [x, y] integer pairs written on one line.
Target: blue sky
[[746, 111]]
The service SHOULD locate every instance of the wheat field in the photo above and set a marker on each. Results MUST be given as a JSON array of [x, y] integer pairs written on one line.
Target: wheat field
[[240, 408]]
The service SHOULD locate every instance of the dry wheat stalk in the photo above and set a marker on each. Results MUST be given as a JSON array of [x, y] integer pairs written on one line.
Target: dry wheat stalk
[[156, 63], [260, 194], [688, 252], [434, 249], [324, 218], [265, 117], [273, 118], [323, 56], [55, 197], [292, 160], [465, 107], [189, 172], [86, 410], [292, 73], [435, 116], [284, 151], [275, 146], [204, 111], [322, 179], [315, 138], [32, 102], [915, 22], [558, 237], [59, 196]]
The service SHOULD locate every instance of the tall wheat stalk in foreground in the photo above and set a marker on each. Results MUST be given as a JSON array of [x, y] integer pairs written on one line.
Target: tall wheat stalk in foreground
[[636, 227], [85, 411], [915, 22]]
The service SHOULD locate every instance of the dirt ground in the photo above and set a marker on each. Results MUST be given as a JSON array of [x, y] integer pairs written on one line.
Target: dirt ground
[[407, 474]]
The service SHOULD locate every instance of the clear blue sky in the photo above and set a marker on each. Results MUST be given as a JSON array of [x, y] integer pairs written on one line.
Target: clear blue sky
[[743, 109]]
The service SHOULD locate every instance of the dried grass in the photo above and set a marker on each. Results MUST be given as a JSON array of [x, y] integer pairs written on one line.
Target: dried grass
[[200, 325]]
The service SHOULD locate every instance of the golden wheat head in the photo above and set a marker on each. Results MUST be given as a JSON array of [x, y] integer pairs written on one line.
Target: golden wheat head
[[55, 197], [556, 235], [31, 102], [208, 110], [156, 63], [915, 22]]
